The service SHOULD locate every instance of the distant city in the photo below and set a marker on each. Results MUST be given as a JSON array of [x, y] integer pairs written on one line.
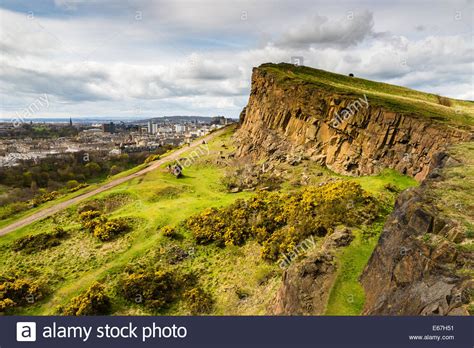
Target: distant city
[[42, 137]]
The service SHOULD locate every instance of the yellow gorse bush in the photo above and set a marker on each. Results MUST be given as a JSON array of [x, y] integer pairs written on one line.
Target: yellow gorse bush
[[16, 292], [92, 302], [279, 221]]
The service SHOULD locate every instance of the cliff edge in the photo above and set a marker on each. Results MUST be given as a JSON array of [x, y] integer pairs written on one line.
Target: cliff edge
[[353, 126]]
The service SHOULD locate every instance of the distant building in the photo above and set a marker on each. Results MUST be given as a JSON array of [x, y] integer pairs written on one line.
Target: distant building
[[165, 129], [171, 141], [115, 152], [221, 120], [179, 128], [91, 131], [150, 127], [218, 120], [108, 127]]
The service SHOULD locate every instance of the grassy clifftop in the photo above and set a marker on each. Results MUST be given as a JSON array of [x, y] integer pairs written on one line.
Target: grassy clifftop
[[394, 98]]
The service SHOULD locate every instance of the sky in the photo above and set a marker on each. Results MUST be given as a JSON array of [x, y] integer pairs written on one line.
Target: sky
[[138, 58]]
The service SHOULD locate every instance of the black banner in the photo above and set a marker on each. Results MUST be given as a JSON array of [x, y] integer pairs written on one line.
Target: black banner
[[291, 332]]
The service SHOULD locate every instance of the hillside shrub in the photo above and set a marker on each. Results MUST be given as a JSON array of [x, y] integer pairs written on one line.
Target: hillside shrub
[[89, 215], [43, 198], [169, 231], [109, 229], [40, 241], [92, 302], [151, 158], [92, 205], [198, 301], [17, 292], [154, 289], [90, 219], [100, 226], [279, 221], [115, 169], [78, 187], [12, 209], [71, 184]]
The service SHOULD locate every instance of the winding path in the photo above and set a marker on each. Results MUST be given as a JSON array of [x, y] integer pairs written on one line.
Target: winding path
[[43, 213]]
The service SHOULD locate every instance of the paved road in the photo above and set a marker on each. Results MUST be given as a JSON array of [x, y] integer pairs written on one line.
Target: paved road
[[41, 214]]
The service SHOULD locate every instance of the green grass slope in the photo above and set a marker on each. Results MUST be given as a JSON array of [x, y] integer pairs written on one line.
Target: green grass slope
[[238, 279]]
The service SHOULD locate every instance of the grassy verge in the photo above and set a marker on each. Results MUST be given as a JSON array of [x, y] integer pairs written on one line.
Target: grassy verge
[[347, 295], [378, 183]]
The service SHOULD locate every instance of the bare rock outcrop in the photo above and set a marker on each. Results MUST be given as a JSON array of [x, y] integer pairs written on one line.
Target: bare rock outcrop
[[307, 283], [283, 118], [416, 267]]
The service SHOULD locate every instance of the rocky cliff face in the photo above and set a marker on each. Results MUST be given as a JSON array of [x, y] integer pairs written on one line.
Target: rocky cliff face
[[423, 262], [344, 132]]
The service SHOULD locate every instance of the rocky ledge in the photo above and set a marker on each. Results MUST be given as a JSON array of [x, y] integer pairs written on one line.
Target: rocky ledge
[[307, 284]]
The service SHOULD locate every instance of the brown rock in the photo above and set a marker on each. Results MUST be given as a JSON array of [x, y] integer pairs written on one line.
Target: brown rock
[[306, 286], [459, 311], [421, 221], [341, 237], [444, 253], [278, 119], [407, 276], [456, 234]]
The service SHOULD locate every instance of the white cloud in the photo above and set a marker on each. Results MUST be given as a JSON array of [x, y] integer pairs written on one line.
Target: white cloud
[[199, 57], [319, 30]]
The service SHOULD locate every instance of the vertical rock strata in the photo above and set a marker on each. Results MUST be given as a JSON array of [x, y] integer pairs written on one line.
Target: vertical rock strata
[[285, 117]]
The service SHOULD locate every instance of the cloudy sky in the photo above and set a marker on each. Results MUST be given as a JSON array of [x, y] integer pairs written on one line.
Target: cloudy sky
[[142, 58]]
